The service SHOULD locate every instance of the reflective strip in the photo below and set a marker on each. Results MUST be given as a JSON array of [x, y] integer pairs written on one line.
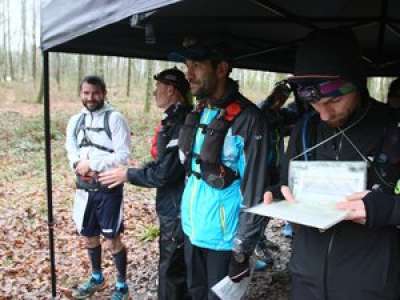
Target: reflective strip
[[397, 188], [121, 215], [222, 218], [172, 143], [80, 205]]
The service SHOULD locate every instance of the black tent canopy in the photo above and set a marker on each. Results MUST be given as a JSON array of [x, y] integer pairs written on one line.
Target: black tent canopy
[[263, 33]]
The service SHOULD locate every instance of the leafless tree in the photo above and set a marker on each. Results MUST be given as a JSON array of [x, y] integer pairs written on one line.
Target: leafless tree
[[10, 57], [128, 78], [149, 84], [24, 58]]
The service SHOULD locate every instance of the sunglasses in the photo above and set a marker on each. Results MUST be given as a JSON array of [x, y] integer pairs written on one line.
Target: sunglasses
[[312, 91]]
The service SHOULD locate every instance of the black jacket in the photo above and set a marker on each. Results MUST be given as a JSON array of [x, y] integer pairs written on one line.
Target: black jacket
[[352, 261], [166, 173]]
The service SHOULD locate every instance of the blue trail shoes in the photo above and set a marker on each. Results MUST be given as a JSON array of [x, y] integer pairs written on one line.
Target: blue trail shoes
[[88, 288], [120, 294]]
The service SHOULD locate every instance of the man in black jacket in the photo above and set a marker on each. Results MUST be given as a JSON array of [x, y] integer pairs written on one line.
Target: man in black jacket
[[358, 258], [167, 175]]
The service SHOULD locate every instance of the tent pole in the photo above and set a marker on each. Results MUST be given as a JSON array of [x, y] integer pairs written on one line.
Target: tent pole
[[47, 135]]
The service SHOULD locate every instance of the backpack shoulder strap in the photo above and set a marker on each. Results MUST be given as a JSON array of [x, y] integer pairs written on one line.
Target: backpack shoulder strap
[[308, 134], [79, 124], [107, 123]]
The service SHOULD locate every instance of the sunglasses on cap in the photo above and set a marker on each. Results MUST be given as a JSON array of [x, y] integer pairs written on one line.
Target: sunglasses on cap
[[312, 90]]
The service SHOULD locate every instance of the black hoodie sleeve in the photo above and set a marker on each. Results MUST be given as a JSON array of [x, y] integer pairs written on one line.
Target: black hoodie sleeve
[[158, 173], [382, 209], [254, 130], [167, 169], [291, 152]]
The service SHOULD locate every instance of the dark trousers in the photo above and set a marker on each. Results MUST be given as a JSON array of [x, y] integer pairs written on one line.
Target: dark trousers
[[171, 268], [205, 268]]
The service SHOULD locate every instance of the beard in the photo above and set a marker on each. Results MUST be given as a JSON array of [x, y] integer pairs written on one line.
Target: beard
[[204, 88], [93, 105]]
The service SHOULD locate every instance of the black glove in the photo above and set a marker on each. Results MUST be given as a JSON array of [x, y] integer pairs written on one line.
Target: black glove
[[239, 267]]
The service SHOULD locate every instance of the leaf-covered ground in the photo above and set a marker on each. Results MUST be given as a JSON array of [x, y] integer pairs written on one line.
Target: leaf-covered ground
[[24, 250]]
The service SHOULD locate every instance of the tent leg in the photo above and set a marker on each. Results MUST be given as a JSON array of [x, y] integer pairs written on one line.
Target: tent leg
[[47, 135]]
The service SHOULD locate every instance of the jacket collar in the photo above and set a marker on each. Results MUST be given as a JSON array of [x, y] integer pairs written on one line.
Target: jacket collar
[[231, 93]]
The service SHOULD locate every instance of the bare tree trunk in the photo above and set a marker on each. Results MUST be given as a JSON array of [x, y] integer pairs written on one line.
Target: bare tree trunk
[[100, 66], [242, 79], [149, 84], [108, 69], [3, 53], [10, 58], [370, 86], [118, 70], [80, 71], [137, 74], [34, 55], [128, 80], [58, 70], [24, 50], [39, 98]]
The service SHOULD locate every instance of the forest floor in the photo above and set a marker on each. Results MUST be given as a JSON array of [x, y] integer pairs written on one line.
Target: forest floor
[[24, 251]]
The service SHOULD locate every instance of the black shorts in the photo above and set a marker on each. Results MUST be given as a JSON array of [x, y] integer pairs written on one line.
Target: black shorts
[[104, 214]]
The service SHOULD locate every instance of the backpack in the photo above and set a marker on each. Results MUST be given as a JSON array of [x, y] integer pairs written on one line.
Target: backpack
[[80, 125]]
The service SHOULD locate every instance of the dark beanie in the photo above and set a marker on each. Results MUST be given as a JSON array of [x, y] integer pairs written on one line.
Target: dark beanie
[[331, 52], [394, 88]]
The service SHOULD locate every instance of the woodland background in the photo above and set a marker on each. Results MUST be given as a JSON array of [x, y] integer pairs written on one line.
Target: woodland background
[[24, 264]]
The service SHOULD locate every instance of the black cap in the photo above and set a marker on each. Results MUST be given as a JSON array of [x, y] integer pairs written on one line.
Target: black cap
[[174, 77], [330, 53], [199, 50]]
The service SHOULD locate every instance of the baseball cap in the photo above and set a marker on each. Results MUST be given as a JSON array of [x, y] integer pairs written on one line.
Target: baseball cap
[[174, 77], [199, 50]]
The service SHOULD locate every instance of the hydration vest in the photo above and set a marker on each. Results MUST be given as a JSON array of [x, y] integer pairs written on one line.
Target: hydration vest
[[212, 170], [86, 142]]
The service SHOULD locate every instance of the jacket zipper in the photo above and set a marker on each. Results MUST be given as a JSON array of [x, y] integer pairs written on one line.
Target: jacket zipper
[[91, 125], [194, 193], [332, 237], [330, 245], [195, 185], [222, 219]]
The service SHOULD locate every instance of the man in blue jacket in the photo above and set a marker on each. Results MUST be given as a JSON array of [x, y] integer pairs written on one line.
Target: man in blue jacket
[[223, 145]]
